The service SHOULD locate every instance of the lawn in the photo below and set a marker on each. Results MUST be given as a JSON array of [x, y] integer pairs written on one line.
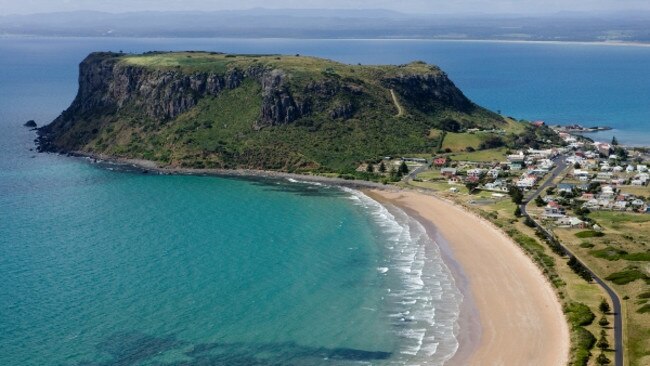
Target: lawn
[[460, 141], [482, 155]]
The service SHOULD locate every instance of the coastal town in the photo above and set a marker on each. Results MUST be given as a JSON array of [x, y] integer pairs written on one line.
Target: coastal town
[[585, 200]]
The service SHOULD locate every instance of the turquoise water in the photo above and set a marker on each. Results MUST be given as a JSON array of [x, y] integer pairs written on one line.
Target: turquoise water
[[113, 267], [102, 266]]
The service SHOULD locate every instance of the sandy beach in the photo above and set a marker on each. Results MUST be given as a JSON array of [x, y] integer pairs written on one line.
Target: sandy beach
[[511, 316]]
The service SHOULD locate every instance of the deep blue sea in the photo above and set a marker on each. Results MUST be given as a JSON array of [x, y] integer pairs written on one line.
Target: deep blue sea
[[101, 266]]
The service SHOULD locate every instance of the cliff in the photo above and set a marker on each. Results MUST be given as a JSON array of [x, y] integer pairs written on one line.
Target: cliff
[[256, 111]]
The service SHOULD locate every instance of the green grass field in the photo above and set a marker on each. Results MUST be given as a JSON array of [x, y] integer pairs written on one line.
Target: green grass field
[[482, 155]]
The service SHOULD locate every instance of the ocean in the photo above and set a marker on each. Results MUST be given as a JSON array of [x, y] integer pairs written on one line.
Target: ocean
[[106, 266]]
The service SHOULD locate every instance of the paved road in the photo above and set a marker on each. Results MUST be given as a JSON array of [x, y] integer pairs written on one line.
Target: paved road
[[616, 302]]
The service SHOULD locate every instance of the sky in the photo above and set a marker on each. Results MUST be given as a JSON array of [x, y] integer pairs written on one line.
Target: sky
[[407, 6]]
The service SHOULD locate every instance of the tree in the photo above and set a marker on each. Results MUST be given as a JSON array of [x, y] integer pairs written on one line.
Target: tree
[[603, 322], [395, 175], [517, 196], [602, 343], [528, 222], [539, 202], [577, 166], [614, 141], [403, 168], [370, 168], [382, 167], [604, 306], [602, 359], [471, 186], [518, 211]]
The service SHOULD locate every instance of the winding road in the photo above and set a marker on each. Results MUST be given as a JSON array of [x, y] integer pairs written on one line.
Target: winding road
[[618, 318]]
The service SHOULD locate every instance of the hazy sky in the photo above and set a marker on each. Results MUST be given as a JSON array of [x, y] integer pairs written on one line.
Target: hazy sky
[[410, 6]]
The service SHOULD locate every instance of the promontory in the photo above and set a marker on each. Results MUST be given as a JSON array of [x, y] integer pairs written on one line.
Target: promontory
[[273, 112]]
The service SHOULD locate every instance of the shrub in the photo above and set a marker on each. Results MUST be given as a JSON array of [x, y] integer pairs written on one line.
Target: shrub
[[604, 306], [582, 341], [602, 359], [603, 322], [579, 269], [579, 314], [589, 234], [626, 276], [644, 309], [528, 222], [602, 343]]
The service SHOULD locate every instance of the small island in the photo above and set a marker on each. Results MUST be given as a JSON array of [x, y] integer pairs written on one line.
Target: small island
[[31, 124]]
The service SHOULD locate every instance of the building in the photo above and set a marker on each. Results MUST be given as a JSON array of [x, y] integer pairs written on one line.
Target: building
[[565, 187], [553, 211], [448, 172], [439, 161], [572, 222]]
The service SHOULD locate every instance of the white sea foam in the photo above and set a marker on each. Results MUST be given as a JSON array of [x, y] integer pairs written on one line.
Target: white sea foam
[[291, 180], [422, 300]]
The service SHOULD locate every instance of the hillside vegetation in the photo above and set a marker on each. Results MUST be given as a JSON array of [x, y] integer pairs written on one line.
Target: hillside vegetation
[[290, 113]]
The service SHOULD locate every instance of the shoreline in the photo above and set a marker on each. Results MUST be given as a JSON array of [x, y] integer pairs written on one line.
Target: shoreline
[[510, 314], [151, 166], [386, 38], [479, 338]]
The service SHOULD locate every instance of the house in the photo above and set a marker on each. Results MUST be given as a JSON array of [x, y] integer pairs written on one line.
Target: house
[[619, 205], [538, 123], [642, 168], [494, 173], [475, 173], [629, 169], [448, 172], [439, 161], [455, 180], [580, 174], [496, 186], [545, 164], [572, 222], [415, 160], [553, 211], [591, 204], [565, 187], [607, 191], [587, 197], [526, 182], [516, 158], [638, 202], [516, 166], [617, 169], [604, 175], [453, 190]]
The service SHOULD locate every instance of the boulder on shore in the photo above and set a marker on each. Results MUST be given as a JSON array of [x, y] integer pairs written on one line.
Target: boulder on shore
[[30, 123]]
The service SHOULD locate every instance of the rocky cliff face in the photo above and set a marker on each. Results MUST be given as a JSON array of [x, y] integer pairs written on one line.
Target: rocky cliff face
[[105, 84], [128, 105], [426, 91]]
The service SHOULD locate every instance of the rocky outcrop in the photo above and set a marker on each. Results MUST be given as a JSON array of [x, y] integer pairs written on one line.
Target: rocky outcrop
[[31, 124], [107, 84], [428, 91], [130, 106]]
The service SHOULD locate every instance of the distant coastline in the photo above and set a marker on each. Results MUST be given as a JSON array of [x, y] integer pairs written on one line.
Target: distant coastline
[[402, 39]]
